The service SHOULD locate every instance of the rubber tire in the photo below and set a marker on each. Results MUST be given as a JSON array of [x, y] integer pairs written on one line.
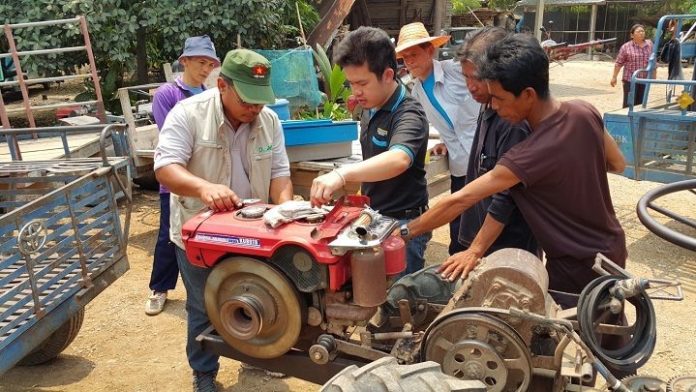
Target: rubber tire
[[147, 182], [386, 375], [57, 342]]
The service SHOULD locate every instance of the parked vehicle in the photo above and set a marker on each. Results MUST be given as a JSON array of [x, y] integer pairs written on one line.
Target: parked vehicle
[[457, 36], [63, 238]]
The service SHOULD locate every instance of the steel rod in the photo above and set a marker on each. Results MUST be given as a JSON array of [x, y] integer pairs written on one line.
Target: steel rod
[[45, 51], [45, 23]]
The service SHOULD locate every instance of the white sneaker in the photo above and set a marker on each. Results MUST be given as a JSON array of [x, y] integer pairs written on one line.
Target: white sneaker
[[269, 373], [155, 303]]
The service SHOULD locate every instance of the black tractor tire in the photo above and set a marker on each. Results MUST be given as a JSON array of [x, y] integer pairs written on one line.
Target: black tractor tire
[[386, 375], [57, 342]]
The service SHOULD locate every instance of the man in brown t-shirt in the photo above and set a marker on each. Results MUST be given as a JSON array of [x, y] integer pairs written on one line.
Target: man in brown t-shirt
[[564, 193]]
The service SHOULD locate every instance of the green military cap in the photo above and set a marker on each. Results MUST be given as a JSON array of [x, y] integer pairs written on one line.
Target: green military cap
[[251, 75]]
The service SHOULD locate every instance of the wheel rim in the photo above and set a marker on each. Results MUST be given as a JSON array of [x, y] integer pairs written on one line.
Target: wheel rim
[[482, 347], [253, 307]]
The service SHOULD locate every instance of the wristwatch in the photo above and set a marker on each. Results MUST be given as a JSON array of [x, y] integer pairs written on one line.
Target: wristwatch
[[404, 231]]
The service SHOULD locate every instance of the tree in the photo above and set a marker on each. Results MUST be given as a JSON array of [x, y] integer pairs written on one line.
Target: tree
[[154, 28], [461, 7]]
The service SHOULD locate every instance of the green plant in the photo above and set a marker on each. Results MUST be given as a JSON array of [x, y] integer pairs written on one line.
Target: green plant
[[461, 7], [128, 32], [334, 85]]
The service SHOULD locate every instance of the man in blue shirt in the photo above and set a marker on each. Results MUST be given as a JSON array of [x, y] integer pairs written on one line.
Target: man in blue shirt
[[441, 90]]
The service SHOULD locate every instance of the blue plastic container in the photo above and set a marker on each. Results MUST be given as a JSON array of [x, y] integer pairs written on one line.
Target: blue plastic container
[[282, 108], [302, 132]]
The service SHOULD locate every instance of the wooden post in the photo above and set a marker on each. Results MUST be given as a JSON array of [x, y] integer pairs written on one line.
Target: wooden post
[[439, 14], [539, 20], [402, 13], [593, 28]]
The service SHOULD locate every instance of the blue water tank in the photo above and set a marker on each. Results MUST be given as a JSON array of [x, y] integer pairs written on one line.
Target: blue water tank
[[282, 108]]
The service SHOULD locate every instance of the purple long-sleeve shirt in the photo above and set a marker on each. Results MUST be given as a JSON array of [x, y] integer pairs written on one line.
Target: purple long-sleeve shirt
[[166, 97]]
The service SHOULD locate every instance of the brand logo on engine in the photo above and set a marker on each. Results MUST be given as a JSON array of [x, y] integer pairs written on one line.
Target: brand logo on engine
[[231, 240]]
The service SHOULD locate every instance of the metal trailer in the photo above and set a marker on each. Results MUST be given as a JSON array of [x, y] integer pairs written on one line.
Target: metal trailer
[[63, 236], [658, 142]]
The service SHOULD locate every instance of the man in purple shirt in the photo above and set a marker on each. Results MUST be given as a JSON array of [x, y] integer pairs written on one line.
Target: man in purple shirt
[[199, 59]]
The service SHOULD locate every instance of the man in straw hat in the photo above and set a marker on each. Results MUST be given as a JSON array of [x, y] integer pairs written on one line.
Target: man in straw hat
[[199, 59], [393, 137], [215, 149], [440, 87]]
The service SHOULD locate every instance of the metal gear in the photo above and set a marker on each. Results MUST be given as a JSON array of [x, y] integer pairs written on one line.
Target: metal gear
[[682, 384], [254, 307], [642, 383], [471, 344]]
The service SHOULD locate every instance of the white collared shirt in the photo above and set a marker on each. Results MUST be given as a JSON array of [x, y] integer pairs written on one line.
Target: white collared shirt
[[454, 97]]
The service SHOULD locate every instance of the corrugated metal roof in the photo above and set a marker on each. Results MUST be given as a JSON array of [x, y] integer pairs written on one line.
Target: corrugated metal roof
[[533, 3]]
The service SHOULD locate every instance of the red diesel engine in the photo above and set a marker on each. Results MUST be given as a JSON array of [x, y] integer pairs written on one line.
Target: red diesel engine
[[272, 289]]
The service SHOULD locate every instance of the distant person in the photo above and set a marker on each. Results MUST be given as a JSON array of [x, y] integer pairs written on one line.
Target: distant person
[[633, 55], [393, 137], [198, 59], [440, 87]]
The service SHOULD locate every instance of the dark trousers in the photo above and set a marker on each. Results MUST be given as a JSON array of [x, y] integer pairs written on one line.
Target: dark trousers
[[196, 316], [454, 246], [637, 98], [164, 268]]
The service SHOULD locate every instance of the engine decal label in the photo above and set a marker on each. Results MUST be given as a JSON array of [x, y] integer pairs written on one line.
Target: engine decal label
[[231, 240]]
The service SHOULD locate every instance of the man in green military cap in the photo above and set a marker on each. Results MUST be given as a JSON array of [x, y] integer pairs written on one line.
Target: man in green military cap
[[215, 149]]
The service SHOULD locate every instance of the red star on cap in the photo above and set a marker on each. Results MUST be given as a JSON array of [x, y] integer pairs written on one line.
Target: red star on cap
[[259, 71]]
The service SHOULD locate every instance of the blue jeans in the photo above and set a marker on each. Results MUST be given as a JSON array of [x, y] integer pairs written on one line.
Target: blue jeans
[[415, 251], [165, 271], [196, 317]]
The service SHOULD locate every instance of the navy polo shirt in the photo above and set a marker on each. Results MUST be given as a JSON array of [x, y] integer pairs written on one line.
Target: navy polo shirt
[[399, 124]]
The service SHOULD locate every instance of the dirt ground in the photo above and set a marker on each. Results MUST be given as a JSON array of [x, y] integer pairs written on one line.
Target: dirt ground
[[122, 349]]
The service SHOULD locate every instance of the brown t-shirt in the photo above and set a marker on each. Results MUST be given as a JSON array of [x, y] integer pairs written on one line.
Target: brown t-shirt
[[565, 195]]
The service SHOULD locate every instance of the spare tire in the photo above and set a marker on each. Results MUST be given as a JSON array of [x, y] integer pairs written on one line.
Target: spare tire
[[386, 375], [57, 342]]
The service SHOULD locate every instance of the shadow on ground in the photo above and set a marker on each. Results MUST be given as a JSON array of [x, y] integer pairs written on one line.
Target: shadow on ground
[[62, 371], [665, 260], [563, 90]]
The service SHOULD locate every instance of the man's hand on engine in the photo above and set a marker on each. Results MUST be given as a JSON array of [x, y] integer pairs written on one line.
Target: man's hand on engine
[[220, 198], [459, 264], [324, 186]]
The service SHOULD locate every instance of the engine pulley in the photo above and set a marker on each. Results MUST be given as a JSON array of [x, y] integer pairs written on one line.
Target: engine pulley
[[254, 307]]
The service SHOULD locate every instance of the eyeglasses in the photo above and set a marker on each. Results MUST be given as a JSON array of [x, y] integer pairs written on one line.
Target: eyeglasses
[[246, 105]]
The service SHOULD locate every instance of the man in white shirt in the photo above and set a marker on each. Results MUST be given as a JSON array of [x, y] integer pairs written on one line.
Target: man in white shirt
[[215, 149], [441, 89]]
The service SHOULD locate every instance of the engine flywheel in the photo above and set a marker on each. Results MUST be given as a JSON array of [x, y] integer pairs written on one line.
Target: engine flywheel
[[254, 307], [474, 345], [682, 384]]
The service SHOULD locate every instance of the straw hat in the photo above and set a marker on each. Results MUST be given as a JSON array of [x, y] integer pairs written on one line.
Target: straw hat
[[414, 34]]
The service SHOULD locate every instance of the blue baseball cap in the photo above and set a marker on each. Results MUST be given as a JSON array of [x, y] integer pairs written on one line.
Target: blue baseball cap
[[200, 46]]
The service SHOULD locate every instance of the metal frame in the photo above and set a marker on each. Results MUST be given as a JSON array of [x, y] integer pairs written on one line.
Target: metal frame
[[24, 83], [669, 125], [62, 240]]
